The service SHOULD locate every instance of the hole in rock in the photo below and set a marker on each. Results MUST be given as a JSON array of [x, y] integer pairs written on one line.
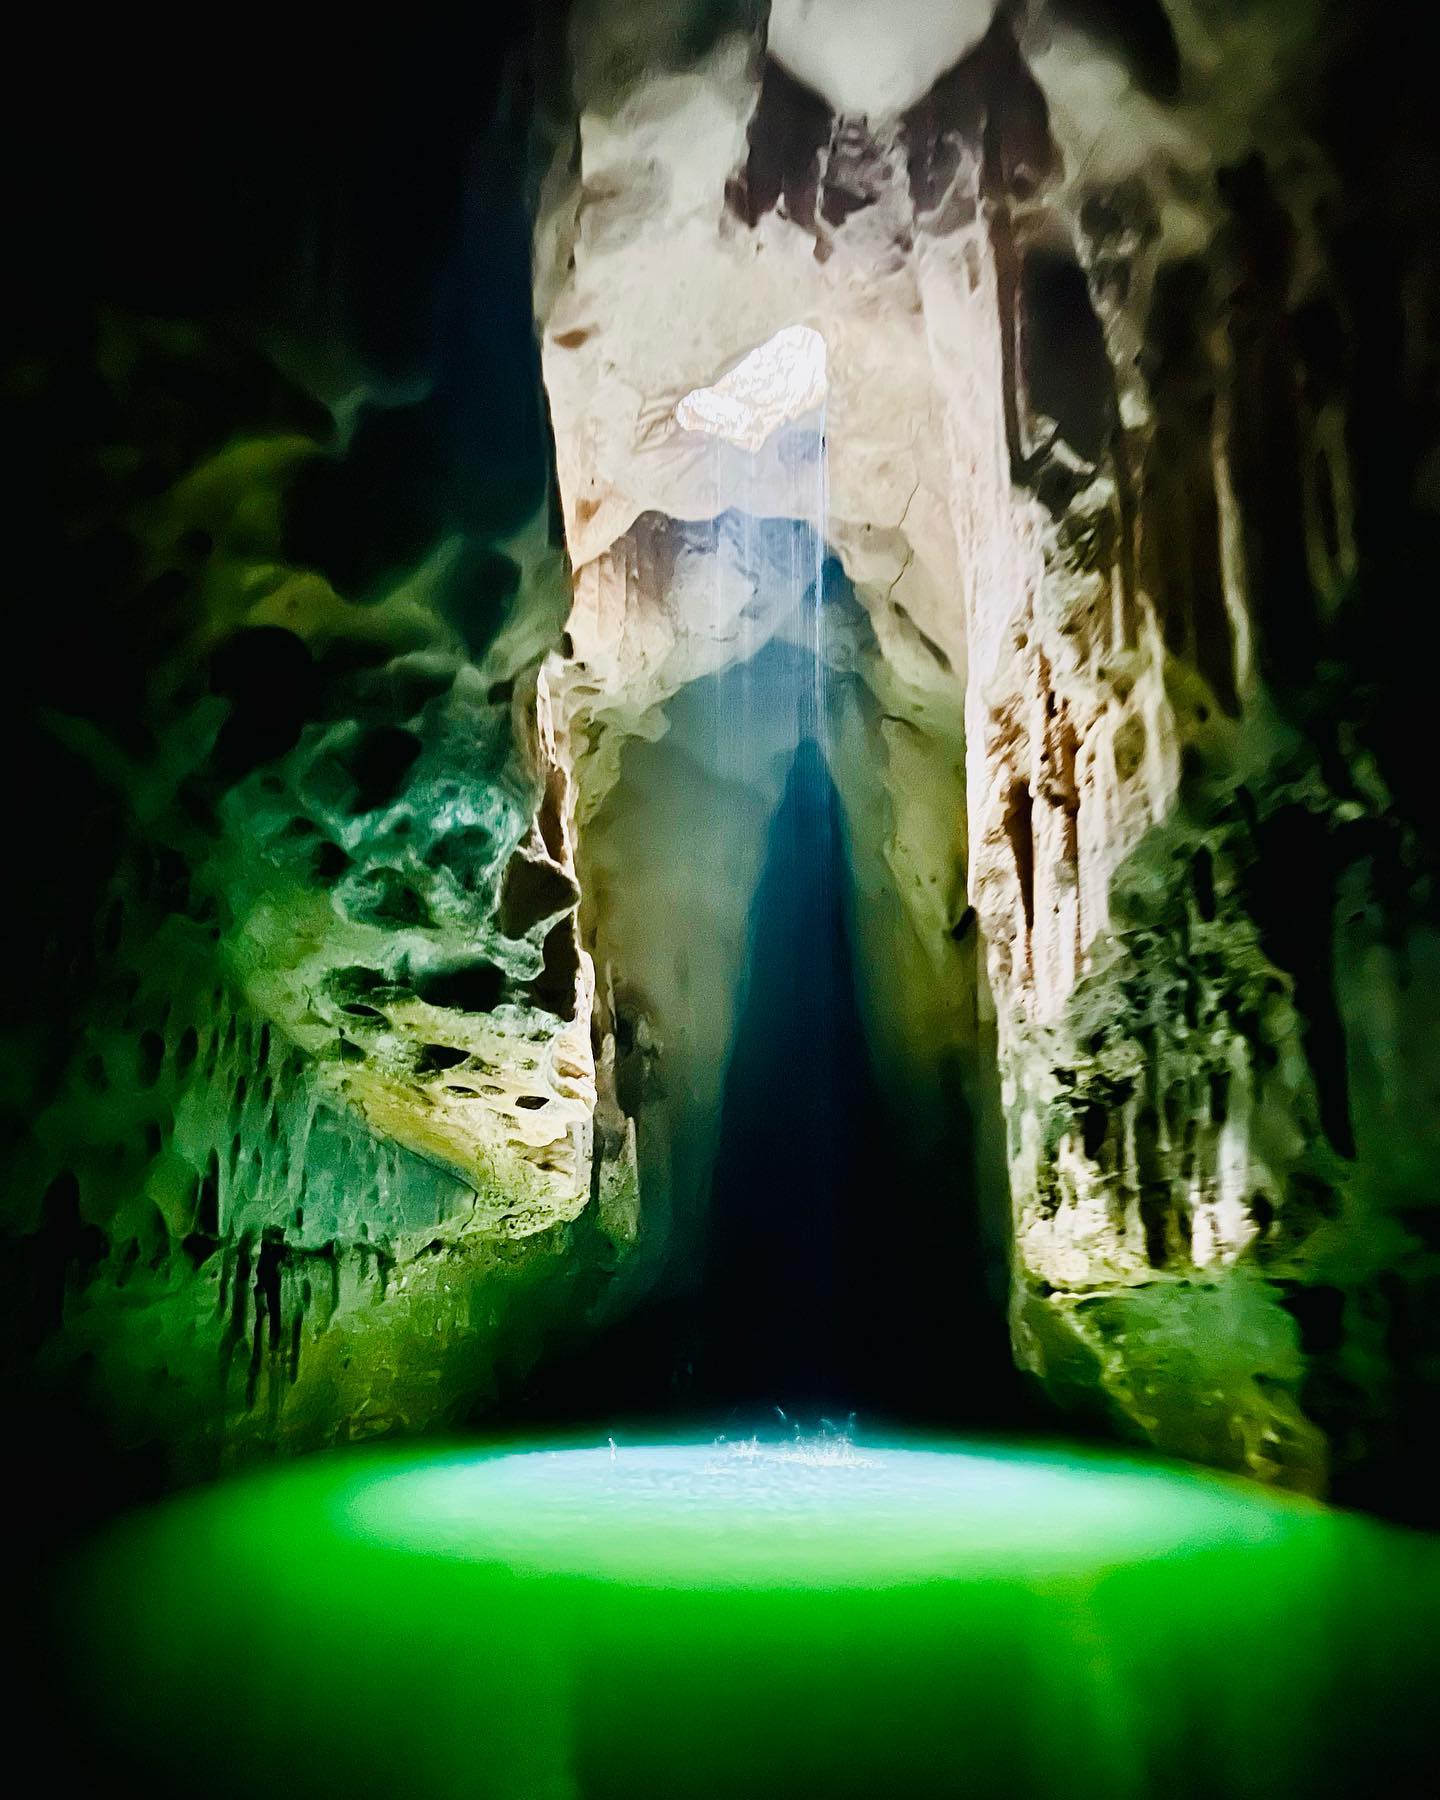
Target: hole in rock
[[379, 764], [1068, 377], [1019, 829], [554, 987], [474, 988], [531, 891]]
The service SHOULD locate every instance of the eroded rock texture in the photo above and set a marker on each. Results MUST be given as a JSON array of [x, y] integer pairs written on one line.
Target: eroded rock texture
[[1093, 295], [299, 1058]]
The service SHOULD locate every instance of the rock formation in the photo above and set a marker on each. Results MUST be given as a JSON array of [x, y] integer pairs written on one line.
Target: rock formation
[[302, 1077], [393, 1051], [1089, 478]]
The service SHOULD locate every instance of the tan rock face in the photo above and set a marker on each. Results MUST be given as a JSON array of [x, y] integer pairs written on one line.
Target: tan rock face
[[1061, 379]]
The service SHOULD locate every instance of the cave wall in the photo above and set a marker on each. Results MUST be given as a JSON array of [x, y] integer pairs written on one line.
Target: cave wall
[[1185, 840], [1111, 349], [317, 1055], [299, 1088]]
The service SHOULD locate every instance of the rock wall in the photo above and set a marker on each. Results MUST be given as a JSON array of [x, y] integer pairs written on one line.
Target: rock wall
[[1084, 293], [1173, 835], [332, 1094], [300, 1087], [669, 593]]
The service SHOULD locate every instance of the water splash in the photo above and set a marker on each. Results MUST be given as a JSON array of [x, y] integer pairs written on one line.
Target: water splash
[[812, 1450]]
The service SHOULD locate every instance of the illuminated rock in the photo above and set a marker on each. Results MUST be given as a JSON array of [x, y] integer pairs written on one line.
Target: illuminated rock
[[1080, 452], [781, 380]]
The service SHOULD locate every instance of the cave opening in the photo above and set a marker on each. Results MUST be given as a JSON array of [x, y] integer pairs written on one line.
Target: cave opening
[[844, 1259], [817, 1138], [832, 1244], [797, 1154]]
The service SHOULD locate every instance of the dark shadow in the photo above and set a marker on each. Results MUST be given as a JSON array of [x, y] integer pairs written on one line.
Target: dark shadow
[[799, 1111], [845, 1269], [845, 1265]]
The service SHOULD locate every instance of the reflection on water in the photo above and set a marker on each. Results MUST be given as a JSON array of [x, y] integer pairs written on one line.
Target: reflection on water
[[700, 1619]]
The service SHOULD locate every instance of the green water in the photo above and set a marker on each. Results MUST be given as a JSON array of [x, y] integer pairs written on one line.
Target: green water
[[743, 1620]]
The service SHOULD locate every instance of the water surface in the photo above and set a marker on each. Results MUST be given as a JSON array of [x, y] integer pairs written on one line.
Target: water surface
[[744, 1618]]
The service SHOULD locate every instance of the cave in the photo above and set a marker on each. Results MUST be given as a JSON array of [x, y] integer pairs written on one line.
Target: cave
[[720, 1068]]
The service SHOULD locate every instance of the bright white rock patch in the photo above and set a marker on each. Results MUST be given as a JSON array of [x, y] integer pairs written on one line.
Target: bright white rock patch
[[774, 385]]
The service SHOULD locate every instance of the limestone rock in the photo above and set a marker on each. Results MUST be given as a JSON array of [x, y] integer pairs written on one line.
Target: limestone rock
[[1065, 281], [307, 1165]]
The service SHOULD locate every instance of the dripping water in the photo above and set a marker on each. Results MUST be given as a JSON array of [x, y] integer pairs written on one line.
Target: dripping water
[[816, 1252], [775, 1289]]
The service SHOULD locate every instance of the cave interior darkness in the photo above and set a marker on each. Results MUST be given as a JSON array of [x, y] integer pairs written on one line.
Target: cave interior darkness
[[785, 1305]]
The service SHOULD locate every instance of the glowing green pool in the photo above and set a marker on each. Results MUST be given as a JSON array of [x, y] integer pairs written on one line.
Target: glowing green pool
[[757, 1620]]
